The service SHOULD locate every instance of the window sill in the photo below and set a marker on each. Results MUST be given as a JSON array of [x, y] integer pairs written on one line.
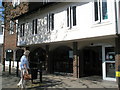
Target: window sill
[[104, 23]]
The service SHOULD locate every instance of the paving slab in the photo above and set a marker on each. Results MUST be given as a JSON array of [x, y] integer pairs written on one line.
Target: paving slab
[[57, 81]]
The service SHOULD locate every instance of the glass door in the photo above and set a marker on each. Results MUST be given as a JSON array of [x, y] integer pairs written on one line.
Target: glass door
[[109, 63]]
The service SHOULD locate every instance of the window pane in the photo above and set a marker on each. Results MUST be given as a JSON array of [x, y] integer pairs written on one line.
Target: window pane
[[74, 15], [104, 10], [109, 54], [52, 26], [68, 17], [110, 70], [35, 26], [96, 10], [23, 28]]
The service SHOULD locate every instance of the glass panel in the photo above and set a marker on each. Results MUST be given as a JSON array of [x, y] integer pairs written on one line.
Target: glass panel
[[96, 10], [104, 10], [74, 15], [68, 17], [109, 54], [110, 70]]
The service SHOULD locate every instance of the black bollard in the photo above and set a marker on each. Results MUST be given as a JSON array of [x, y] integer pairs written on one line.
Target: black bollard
[[40, 71], [17, 69], [10, 66], [4, 64]]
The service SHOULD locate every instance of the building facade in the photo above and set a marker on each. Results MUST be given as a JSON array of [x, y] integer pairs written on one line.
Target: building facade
[[75, 38]]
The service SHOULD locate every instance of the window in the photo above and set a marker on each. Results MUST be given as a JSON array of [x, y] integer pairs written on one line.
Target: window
[[104, 10], [100, 10], [50, 22], [15, 2], [71, 16], [34, 26], [22, 30], [11, 27]]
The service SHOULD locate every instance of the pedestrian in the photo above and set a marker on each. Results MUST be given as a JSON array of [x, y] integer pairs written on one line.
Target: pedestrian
[[24, 67]]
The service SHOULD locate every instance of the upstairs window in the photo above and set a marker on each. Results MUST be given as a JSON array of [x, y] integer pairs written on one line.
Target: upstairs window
[[71, 16], [34, 26], [100, 10], [50, 22], [11, 27], [22, 30], [15, 3]]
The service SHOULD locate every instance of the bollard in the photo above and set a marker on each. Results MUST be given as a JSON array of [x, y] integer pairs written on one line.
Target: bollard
[[40, 72], [17, 69], [118, 76], [4, 64], [10, 66]]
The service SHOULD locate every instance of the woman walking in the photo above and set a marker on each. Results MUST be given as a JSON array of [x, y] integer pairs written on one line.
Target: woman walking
[[24, 66]]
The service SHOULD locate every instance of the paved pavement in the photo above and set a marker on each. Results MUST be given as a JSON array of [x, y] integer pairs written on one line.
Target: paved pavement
[[57, 81], [0, 76]]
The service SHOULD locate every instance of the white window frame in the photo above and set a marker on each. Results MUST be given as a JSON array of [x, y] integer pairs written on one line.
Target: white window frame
[[100, 19], [35, 27], [15, 2], [22, 30], [70, 22], [50, 22], [11, 31]]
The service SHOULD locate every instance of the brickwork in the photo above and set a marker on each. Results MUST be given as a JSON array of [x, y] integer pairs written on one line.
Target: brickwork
[[75, 60]]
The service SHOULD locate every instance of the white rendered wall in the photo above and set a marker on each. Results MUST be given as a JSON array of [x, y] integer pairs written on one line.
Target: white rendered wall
[[85, 28]]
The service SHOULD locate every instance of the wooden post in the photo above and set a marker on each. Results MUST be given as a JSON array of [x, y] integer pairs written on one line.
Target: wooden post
[[117, 58], [47, 59], [4, 64], [10, 66], [17, 69]]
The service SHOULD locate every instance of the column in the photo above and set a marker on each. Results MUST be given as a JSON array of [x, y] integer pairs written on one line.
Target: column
[[75, 60], [117, 51], [117, 58], [47, 59]]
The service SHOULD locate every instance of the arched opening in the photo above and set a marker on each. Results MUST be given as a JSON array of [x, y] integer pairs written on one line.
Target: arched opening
[[62, 60], [37, 61], [19, 54], [9, 54], [37, 56]]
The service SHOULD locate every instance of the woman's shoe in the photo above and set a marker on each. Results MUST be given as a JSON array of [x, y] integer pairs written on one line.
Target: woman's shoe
[[18, 84]]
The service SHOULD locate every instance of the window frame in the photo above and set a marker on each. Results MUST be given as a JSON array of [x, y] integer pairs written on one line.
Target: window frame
[[22, 30], [100, 18], [11, 31], [70, 16], [50, 22], [34, 26]]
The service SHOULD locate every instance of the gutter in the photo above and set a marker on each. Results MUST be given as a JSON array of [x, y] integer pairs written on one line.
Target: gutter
[[116, 17]]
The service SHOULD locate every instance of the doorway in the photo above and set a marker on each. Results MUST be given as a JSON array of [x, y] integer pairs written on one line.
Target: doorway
[[92, 61]]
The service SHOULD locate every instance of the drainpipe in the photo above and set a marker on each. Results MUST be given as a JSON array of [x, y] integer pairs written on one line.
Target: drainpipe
[[116, 16], [117, 42]]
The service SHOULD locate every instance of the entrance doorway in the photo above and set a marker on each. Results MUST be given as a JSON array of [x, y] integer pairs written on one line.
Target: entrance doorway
[[62, 61], [109, 63], [92, 60]]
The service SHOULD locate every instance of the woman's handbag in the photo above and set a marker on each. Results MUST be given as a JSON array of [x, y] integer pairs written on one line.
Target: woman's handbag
[[27, 76]]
